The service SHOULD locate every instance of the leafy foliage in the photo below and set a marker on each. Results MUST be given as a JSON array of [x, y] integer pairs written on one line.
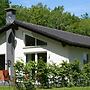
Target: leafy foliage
[[42, 15], [19, 69], [85, 16], [3, 5], [41, 74], [56, 18], [53, 75]]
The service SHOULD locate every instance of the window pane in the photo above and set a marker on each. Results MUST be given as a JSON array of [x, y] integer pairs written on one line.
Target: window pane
[[88, 58], [42, 56], [39, 42], [30, 57], [85, 58], [29, 41]]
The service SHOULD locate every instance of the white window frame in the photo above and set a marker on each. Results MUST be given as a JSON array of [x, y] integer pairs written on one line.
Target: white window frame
[[35, 41], [36, 55]]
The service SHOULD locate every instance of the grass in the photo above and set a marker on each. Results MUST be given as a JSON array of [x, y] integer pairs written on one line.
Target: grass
[[7, 88], [73, 88]]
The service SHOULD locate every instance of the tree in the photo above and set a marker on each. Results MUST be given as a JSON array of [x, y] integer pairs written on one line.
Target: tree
[[3, 5], [38, 14], [85, 16], [42, 15], [56, 18], [60, 19], [81, 27]]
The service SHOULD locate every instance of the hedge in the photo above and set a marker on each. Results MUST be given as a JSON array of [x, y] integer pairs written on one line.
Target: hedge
[[46, 75]]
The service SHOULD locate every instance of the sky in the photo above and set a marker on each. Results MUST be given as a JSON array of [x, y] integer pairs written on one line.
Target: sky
[[77, 7]]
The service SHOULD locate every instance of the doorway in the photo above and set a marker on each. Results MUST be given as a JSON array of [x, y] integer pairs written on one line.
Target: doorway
[[2, 62]]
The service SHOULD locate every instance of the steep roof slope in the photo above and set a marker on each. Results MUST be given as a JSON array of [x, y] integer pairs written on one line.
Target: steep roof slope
[[5, 28], [59, 35]]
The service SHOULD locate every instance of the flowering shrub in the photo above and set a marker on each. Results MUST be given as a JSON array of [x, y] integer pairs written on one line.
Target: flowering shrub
[[51, 75]]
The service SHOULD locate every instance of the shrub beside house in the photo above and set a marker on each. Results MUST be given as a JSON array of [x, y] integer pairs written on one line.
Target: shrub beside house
[[51, 75]]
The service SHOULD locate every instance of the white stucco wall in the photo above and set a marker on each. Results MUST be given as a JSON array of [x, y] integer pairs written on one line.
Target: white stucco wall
[[2, 44], [19, 54], [76, 53], [56, 52]]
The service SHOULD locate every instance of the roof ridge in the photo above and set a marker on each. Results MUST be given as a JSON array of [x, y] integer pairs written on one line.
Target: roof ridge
[[58, 35], [76, 34]]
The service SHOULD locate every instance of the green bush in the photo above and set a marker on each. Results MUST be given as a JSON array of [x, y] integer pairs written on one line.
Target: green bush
[[52, 75], [42, 73], [86, 72]]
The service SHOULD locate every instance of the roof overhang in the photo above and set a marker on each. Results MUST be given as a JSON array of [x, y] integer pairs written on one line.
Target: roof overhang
[[6, 28], [64, 37], [59, 35]]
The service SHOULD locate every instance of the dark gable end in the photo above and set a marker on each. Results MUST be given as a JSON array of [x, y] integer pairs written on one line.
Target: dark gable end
[[59, 35]]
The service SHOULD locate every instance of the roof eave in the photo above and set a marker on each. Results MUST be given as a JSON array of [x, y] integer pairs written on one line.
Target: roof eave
[[28, 27], [6, 28]]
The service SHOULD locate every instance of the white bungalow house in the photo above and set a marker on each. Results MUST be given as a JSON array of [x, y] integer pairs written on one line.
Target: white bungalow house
[[26, 41]]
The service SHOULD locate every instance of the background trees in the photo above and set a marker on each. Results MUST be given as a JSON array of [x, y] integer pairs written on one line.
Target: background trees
[[56, 18], [42, 15], [3, 5]]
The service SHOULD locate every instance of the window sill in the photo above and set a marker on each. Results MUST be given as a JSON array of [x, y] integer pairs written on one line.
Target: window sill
[[26, 47]]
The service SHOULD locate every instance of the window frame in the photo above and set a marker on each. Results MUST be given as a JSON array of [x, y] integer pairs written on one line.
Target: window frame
[[36, 45], [86, 58], [32, 40], [36, 56]]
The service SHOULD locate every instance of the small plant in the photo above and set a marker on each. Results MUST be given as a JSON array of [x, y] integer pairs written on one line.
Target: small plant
[[19, 68], [42, 74], [29, 79]]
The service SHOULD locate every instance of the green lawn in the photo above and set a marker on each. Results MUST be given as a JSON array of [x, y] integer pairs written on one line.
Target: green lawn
[[7, 88], [74, 88]]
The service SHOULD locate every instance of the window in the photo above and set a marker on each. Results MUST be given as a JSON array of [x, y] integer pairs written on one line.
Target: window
[[86, 58], [30, 41], [42, 56], [36, 57], [31, 56], [39, 42]]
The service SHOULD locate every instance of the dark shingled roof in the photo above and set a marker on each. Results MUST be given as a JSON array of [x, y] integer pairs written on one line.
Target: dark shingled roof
[[59, 35], [5, 28]]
